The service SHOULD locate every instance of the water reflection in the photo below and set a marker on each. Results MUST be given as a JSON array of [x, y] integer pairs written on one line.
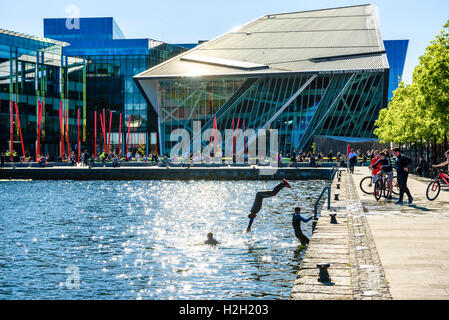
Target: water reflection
[[144, 240]]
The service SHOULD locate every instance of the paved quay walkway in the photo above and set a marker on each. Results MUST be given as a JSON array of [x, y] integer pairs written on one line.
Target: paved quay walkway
[[355, 269], [412, 241]]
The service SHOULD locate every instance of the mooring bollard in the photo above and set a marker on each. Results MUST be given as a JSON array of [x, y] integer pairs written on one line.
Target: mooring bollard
[[334, 218], [314, 223], [324, 274], [338, 186], [336, 197]]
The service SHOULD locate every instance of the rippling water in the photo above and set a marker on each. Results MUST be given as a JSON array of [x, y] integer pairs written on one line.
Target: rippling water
[[143, 239]]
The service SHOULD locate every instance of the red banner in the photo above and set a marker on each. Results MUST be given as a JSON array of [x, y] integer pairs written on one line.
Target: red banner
[[39, 118], [61, 125], [109, 135], [67, 130], [11, 133], [20, 129], [95, 135], [78, 145]]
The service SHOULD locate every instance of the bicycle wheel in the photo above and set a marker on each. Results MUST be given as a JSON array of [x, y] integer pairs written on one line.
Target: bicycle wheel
[[378, 190], [367, 185], [386, 189], [395, 185], [433, 190]]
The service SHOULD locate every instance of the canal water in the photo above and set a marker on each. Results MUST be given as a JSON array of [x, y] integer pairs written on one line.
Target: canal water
[[144, 239]]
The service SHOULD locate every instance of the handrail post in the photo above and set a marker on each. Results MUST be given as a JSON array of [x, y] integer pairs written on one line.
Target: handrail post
[[315, 212]]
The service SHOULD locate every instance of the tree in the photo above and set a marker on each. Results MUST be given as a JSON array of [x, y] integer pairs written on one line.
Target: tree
[[420, 111]]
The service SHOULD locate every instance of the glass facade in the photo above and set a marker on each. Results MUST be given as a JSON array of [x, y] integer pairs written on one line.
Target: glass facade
[[340, 104], [396, 53], [34, 69], [112, 61]]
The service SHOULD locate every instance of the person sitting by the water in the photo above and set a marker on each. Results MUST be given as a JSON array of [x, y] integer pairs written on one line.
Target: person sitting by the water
[[115, 162], [210, 239], [43, 161], [312, 161], [296, 223], [257, 205]]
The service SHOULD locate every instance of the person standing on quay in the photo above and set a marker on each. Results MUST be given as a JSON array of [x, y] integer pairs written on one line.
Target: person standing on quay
[[352, 161], [402, 163], [2, 159]]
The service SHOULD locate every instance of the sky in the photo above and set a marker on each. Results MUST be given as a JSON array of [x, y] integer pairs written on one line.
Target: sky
[[176, 21]]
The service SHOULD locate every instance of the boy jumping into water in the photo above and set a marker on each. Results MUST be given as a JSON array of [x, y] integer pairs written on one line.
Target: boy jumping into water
[[259, 199]]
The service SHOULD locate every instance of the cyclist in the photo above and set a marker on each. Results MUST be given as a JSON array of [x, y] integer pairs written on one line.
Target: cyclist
[[387, 168], [445, 163], [375, 169]]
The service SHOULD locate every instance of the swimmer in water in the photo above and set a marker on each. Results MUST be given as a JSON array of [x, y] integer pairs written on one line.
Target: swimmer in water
[[210, 239], [259, 198]]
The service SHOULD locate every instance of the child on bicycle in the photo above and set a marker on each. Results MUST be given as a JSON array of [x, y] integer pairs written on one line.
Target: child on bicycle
[[387, 169], [375, 169], [443, 163]]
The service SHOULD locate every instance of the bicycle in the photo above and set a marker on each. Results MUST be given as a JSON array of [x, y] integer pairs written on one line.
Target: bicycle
[[367, 186], [434, 188], [382, 187]]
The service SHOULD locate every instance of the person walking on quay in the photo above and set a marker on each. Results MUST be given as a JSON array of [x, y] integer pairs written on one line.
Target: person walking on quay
[[330, 156], [421, 166], [293, 159], [312, 161], [401, 166], [86, 158], [352, 161], [296, 223], [280, 158], [72, 158]]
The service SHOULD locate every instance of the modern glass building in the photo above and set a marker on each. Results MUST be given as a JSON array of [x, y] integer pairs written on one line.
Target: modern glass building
[[112, 61], [396, 53], [35, 69], [307, 74]]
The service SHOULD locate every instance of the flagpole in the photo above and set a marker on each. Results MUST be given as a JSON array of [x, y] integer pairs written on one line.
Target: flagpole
[[127, 138], [120, 136]]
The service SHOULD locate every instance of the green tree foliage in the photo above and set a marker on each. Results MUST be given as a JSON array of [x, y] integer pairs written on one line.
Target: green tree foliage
[[420, 110]]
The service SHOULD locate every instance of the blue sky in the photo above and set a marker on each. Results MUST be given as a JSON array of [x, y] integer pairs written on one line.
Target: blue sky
[[188, 21]]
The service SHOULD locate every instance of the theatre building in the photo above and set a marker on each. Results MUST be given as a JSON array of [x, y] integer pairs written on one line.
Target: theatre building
[[323, 73]]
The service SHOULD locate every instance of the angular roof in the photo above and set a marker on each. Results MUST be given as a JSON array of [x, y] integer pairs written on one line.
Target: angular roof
[[332, 40]]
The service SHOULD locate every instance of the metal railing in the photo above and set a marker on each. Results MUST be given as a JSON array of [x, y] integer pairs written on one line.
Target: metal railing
[[328, 190]]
